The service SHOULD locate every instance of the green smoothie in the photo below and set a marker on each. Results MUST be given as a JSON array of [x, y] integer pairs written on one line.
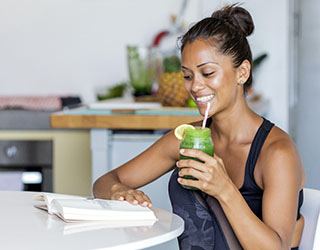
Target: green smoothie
[[198, 138]]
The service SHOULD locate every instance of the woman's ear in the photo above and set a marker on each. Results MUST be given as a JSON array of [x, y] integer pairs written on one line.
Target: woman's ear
[[243, 72]]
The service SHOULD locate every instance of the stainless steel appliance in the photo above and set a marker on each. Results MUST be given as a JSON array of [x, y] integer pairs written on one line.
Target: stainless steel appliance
[[26, 165]]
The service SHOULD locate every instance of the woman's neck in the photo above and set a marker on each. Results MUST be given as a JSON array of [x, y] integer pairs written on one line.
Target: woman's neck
[[237, 124]]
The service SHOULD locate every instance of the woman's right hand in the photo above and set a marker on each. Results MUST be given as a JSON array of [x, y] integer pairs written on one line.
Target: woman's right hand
[[121, 192]]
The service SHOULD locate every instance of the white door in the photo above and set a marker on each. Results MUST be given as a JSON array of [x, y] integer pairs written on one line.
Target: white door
[[307, 129]]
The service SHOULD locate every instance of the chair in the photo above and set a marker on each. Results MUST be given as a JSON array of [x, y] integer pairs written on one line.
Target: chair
[[310, 211]]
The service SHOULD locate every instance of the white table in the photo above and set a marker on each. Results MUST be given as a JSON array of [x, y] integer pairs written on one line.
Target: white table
[[22, 226]]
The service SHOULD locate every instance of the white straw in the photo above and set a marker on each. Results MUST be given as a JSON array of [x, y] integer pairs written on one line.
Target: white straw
[[204, 122]]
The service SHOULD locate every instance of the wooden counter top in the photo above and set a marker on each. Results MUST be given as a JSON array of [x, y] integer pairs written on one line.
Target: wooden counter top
[[84, 118]]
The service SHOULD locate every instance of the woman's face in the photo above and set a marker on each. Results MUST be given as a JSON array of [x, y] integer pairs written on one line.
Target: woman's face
[[209, 77]]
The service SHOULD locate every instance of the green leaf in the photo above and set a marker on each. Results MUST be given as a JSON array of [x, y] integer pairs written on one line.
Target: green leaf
[[171, 64]]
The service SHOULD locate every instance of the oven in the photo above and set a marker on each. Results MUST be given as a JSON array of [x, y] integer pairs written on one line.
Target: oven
[[26, 165]]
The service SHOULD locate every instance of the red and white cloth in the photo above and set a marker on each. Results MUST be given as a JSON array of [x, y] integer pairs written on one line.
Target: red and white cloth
[[40, 103]]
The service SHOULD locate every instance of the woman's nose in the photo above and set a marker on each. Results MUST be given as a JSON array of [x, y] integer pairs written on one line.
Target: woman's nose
[[197, 85]]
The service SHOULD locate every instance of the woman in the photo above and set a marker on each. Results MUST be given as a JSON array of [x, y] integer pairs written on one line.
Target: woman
[[255, 176]]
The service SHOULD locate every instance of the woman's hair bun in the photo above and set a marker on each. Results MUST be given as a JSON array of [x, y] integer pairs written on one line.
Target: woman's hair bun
[[236, 16]]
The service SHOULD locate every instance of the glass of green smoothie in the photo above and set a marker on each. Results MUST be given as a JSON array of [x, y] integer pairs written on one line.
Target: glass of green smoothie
[[196, 138]]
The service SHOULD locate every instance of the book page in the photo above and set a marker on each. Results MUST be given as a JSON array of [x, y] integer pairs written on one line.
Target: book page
[[47, 198], [97, 209]]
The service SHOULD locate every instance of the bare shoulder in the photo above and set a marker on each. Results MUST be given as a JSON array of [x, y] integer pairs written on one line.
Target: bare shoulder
[[280, 156], [172, 143], [169, 145], [278, 145], [197, 123]]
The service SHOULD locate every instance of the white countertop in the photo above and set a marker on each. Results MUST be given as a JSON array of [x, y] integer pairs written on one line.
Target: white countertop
[[22, 226]]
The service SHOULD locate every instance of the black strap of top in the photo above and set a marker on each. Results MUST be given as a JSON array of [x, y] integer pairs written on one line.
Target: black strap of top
[[256, 146], [208, 122]]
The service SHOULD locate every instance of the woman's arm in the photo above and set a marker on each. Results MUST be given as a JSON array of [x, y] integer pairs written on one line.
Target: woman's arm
[[282, 178], [122, 182]]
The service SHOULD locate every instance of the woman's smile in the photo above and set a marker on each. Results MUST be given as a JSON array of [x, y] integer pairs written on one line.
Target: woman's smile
[[204, 99]]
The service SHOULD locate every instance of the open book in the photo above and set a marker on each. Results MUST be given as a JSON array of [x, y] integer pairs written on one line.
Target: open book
[[76, 208]]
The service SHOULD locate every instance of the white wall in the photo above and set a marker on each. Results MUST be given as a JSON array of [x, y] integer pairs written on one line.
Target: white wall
[[271, 35], [308, 104], [75, 46]]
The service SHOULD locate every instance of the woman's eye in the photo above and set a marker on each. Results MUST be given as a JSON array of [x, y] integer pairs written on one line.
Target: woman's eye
[[187, 77], [207, 74]]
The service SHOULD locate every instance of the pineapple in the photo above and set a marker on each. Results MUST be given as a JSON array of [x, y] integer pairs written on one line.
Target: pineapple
[[171, 84]]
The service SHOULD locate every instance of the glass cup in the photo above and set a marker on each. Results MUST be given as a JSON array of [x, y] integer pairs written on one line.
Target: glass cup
[[198, 138]]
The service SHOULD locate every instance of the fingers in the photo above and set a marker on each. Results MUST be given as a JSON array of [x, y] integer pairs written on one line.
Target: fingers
[[218, 159], [195, 153], [147, 201], [117, 196], [205, 171], [205, 160], [200, 166], [201, 184], [199, 170], [194, 173], [140, 198], [191, 183], [134, 197], [191, 163]]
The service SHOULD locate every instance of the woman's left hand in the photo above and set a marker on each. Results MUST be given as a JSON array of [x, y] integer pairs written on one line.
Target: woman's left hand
[[211, 173]]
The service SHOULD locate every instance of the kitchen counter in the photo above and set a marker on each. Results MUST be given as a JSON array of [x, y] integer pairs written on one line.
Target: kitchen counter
[[135, 119], [157, 119], [24, 119]]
